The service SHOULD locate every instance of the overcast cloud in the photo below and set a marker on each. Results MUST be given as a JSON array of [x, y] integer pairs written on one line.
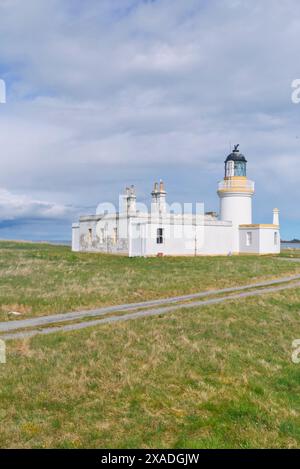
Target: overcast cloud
[[105, 93]]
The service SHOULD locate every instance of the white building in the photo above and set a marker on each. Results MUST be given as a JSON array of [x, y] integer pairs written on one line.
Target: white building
[[136, 232]]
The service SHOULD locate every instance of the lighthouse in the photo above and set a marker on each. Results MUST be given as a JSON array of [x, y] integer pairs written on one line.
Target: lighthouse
[[235, 192], [139, 233]]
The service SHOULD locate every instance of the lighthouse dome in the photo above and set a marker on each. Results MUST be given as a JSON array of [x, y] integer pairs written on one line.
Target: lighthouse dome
[[235, 155], [235, 164]]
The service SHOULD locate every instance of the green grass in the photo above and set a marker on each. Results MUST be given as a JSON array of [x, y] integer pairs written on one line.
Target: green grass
[[215, 377], [290, 253], [38, 279], [220, 376]]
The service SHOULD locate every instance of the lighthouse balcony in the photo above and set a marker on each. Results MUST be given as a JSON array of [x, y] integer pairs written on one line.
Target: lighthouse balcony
[[236, 185]]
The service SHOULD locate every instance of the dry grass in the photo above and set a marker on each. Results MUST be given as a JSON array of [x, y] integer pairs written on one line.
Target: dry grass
[[38, 279], [220, 376]]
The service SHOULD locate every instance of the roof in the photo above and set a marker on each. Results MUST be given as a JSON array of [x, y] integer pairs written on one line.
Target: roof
[[235, 155]]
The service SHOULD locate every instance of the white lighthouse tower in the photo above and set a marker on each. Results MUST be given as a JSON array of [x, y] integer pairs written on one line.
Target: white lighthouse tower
[[236, 192]]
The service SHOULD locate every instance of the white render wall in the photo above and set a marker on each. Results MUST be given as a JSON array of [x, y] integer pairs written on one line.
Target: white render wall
[[217, 240], [237, 208], [266, 243], [104, 233], [262, 240], [137, 236], [253, 248], [179, 240]]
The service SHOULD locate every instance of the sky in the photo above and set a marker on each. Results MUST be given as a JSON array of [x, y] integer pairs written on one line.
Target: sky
[[106, 93]]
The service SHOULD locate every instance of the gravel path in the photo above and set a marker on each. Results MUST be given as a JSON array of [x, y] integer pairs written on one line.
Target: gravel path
[[290, 259], [156, 311]]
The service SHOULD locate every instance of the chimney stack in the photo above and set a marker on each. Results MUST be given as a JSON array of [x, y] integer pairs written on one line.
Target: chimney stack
[[158, 204], [276, 216], [130, 199]]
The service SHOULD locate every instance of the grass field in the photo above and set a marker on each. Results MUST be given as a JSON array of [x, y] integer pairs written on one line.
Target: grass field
[[213, 377], [37, 279], [217, 377], [290, 253]]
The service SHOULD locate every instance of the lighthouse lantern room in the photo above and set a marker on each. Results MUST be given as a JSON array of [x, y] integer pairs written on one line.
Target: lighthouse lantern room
[[235, 164]]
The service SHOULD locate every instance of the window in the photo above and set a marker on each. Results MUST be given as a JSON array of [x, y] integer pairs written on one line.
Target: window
[[276, 238], [90, 235], [229, 169], [160, 236], [240, 168], [248, 238]]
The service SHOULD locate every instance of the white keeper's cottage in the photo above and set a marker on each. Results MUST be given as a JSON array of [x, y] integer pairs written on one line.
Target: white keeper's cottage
[[134, 232]]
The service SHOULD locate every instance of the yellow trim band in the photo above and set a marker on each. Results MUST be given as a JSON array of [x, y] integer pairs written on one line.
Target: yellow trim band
[[235, 178], [260, 226]]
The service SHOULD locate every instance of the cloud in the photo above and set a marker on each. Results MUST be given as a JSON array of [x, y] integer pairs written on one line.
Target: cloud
[[15, 206], [102, 94]]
